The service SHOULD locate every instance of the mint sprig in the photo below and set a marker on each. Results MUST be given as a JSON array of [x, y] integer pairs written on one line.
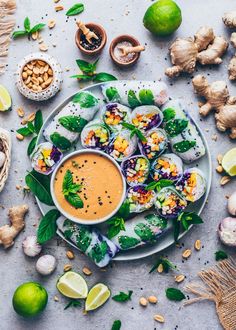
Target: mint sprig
[[134, 131], [184, 221], [27, 29], [70, 190], [174, 294], [122, 296], [166, 264], [221, 255], [158, 185], [117, 223]]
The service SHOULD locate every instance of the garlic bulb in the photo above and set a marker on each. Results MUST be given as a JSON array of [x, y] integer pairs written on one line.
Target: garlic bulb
[[31, 247], [232, 204], [46, 264], [2, 159], [227, 231]]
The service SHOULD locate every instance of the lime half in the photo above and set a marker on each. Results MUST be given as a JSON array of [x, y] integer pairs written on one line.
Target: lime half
[[72, 285], [5, 99], [97, 296], [229, 162]]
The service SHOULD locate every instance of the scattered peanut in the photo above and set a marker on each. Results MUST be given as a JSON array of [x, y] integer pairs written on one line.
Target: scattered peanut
[[159, 318], [214, 137], [143, 302], [219, 169], [219, 159], [19, 137], [70, 255], [24, 121], [179, 278], [197, 245], [31, 117], [67, 267], [186, 254], [160, 268], [224, 180], [59, 8], [152, 299], [56, 1], [87, 271], [20, 112], [35, 35], [56, 298], [18, 187], [51, 23], [43, 47]]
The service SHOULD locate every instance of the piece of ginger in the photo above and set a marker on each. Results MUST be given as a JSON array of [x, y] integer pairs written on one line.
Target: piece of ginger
[[217, 98], [9, 232]]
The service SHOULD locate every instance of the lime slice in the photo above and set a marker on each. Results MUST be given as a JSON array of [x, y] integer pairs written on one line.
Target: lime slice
[[97, 296], [5, 99], [72, 285], [229, 162]]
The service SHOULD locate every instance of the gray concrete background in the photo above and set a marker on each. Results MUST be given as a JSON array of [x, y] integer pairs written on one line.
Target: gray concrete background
[[118, 17]]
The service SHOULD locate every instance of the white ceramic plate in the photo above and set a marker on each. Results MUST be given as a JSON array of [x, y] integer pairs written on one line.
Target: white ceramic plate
[[165, 240]]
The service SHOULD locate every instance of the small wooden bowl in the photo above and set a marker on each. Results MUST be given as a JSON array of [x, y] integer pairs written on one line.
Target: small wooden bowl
[[122, 38], [97, 29]]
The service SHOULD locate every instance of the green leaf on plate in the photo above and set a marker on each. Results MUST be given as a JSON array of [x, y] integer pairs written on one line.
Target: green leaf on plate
[[168, 114], [60, 141], [75, 10], [67, 181], [133, 100], [112, 94], [176, 126], [73, 123], [85, 100], [48, 226], [184, 145], [146, 97], [115, 226], [174, 294], [124, 210]]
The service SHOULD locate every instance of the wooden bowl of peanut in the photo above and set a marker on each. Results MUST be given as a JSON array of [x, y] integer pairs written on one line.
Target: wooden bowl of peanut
[[39, 76]]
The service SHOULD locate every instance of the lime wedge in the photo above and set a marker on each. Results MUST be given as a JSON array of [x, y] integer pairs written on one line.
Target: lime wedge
[[72, 285], [5, 99], [97, 296], [229, 162]]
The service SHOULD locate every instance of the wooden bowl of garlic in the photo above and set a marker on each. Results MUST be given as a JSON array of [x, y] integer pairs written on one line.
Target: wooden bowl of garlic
[[38, 76]]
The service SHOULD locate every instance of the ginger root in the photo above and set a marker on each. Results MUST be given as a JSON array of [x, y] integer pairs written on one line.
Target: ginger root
[[7, 232], [218, 99], [205, 48], [229, 19]]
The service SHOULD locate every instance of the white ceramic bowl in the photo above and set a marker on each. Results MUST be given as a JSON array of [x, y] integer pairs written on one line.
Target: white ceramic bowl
[[79, 220]]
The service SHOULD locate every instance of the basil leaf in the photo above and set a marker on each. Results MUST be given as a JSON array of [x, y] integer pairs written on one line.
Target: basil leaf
[[167, 265], [191, 217], [133, 100], [24, 131], [220, 255], [176, 126], [67, 181], [60, 141], [39, 184], [103, 77], [38, 121], [31, 146], [127, 242], [116, 224], [116, 325], [73, 303], [112, 94], [168, 114], [74, 188], [146, 97], [27, 24], [85, 100], [122, 296], [82, 77], [86, 67], [73, 123], [184, 145], [19, 33], [124, 210], [159, 184], [74, 200], [151, 186], [140, 135], [30, 126], [174, 294], [130, 127], [48, 226], [75, 10], [37, 27]]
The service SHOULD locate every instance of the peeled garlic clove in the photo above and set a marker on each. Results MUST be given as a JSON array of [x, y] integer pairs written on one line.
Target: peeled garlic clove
[[46, 264], [227, 231], [31, 247], [232, 204], [2, 159]]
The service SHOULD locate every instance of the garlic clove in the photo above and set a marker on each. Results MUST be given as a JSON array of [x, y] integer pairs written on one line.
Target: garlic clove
[[232, 204], [46, 265], [31, 247], [2, 159], [227, 231]]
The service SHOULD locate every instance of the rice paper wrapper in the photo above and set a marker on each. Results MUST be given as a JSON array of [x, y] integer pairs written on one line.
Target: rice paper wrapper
[[135, 93], [135, 169], [140, 231], [172, 172], [140, 199], [89, 134], [89, 241], [146, 117], [113, 114], [150, 149], [192, 185], [188, 145]]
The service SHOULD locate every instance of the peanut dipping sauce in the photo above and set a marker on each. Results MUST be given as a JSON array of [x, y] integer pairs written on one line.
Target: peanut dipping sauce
[[102, 185]]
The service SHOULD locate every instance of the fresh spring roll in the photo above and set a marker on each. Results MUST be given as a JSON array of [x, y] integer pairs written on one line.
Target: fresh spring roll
[[140, 232], [45, 158], [155, 144], [192, 185], [135, 169], [66, 126], [122, 146], [140, 199], [95, 135], [183, 135], [135, 93], [89, 241], [167, 166], [113, 114], [146, 117], [169, 203]]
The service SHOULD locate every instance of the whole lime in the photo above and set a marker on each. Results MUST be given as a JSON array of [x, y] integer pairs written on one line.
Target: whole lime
[[30, 299], [163, 17]]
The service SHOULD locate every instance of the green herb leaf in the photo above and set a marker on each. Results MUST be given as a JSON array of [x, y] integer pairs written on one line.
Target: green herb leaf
[[174, 294], [17, 34], [112, 94], [85, 100], [158, 185], [37, 27], [74, 200], [39, 184], [31, 146], [122, 296], [73, 123], [184, 145], [133, 100], [103, 77], [127, 242], [190, 217], [87, 67], [27, 24], [167, 265], [82, 77], [75, 10], [73, 303], [48, 226], [116, 224], [146, 97], [168, 114], [116, 325], [176, 126], [38, 121], [30, 127], [176, 231], [134, 131], [220, 255], [124, 210], [25, 131], [67, 181], [60, 141]]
